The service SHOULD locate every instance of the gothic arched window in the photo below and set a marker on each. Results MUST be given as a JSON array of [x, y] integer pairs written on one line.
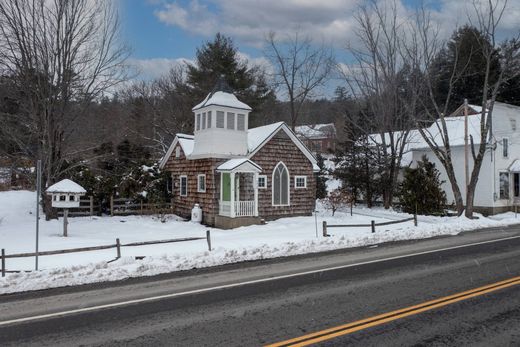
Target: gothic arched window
[[280, 185]]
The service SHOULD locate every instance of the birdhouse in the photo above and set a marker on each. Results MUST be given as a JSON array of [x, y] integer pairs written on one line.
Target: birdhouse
[[65, 194]]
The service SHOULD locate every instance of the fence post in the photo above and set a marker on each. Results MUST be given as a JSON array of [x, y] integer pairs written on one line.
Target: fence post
[[112, 205], [325, 229], [91, 206], [3, 262], [208, 238], [118, 246], [351, 203], [415, 219], [373, 225]]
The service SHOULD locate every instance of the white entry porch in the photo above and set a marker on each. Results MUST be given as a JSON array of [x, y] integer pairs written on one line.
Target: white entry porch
[[238, 188]]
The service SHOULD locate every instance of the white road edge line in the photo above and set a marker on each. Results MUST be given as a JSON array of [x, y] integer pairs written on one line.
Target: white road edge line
[[238, 284]]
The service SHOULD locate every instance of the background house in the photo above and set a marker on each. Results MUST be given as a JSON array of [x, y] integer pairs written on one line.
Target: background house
[[319, 138], [498, 187]]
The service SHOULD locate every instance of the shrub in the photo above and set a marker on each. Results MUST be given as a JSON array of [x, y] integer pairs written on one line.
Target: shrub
[[421, 190]]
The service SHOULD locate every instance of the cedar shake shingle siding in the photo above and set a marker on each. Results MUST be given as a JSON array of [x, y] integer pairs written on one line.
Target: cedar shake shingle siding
[[282, 149], [192, 168]]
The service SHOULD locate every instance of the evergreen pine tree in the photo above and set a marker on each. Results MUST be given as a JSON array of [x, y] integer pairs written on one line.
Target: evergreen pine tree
[[220, 58], [421, 190], [321, 179]]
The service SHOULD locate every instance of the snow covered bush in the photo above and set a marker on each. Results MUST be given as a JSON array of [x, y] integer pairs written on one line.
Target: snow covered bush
[[336, 199], [421, 190]]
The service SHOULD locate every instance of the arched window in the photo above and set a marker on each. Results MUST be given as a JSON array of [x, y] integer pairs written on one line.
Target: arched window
[[280, 185]]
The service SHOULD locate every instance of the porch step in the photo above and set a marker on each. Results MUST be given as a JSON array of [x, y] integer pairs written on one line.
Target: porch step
[[223, 222]]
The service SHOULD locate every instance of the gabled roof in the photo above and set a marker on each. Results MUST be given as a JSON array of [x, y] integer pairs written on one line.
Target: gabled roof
[[316, 131], [66, 186], [235, 163], [256, 138]]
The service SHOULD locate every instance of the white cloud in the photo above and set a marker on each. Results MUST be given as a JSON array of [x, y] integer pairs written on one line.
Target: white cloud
[[330, 20], [148, 69]]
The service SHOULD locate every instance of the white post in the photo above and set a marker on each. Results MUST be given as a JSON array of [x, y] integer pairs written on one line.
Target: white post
[[38, 193], [232, 197], [220, 201], [255, 185]]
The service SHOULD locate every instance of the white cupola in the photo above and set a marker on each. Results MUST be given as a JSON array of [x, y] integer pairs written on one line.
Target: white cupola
[[221, 123]]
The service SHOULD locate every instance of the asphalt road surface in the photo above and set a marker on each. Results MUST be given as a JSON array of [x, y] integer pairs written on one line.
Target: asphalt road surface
[[293, 297]]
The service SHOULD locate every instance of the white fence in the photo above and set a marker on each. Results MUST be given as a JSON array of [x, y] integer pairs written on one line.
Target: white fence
[[242, 208]]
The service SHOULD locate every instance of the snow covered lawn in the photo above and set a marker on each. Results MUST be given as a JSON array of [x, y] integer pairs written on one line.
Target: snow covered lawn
[[287, 236]]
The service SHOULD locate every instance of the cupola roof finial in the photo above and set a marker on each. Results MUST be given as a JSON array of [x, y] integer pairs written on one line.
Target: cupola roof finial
[[222, 85]]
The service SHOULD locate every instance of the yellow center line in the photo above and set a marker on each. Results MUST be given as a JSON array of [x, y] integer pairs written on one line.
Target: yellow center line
[[346, 329]]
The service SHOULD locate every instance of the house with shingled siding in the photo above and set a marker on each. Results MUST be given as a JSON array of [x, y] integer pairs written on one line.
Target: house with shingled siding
[[237, 175]]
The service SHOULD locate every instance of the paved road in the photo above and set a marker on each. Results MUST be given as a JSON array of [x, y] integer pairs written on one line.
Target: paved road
[[268, 311]]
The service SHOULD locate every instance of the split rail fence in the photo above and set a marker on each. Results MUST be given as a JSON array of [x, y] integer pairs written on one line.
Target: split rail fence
[[116, 245], [372, 224], [89, 207]]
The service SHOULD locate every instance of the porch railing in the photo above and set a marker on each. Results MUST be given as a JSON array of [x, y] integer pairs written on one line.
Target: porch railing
[[242, 208]]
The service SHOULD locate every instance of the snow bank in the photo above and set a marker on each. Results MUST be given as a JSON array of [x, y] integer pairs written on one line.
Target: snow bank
[[284, 237]]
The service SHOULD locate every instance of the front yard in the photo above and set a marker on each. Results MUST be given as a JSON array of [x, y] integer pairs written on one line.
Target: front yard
[[283, 237]]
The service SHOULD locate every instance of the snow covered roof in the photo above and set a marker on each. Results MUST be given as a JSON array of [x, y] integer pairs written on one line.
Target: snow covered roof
[[236, 163], [220, 98], [186, 142], [515, 166], [66, 186], [256, 138], [316, 130]]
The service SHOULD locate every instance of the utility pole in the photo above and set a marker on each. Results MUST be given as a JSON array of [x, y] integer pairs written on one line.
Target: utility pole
[[466, 148], [38, 193]]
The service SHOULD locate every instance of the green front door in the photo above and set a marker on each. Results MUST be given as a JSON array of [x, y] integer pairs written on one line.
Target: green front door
[[226, 187]]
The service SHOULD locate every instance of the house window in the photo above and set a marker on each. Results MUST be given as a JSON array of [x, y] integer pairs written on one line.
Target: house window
[[241, 122], [505, 147], [177, 151], [197, 122], [63, 198], [513, 124], [504, 185], [300, 181], [280, 185], [262, 182], [183, 186], [55, 197], [231, 120], [201, 183], [203, 125], [220, 119], [209, 119], [72, 198]]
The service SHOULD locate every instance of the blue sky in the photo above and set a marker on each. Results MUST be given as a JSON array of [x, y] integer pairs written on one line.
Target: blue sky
[[163, 32]]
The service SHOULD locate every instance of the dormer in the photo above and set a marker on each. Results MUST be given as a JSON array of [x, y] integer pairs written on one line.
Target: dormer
[[221, 124]]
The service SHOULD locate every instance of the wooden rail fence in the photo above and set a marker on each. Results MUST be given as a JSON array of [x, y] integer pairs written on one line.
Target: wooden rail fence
[[117, 245], [124, 206], [372, 224]]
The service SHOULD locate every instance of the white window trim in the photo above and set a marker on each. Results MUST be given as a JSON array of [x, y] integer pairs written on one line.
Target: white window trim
[[288, 188], [198, 183], [509, 185], [507, 139], [304, 182], [180, 185], [178, 151], [265, 181]]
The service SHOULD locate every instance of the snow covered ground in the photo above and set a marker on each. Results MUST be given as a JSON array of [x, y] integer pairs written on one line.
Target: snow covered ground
[[288, 236]]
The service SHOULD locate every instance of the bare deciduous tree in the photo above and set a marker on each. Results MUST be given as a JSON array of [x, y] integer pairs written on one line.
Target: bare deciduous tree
[[300, 69], [381, 80], [61, 55], [426, 46]]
